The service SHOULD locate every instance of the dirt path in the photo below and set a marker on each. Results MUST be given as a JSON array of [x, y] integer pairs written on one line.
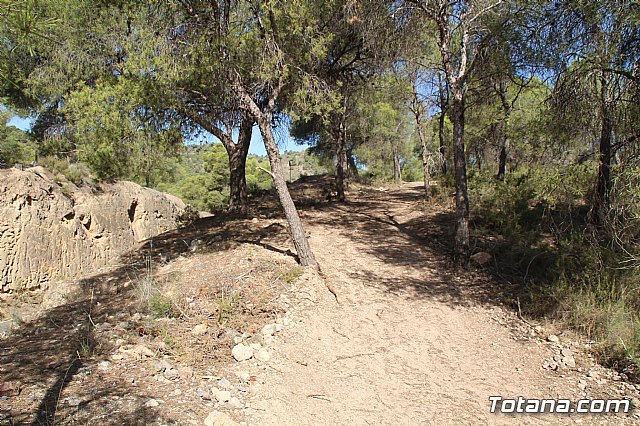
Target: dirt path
[[409, 343]]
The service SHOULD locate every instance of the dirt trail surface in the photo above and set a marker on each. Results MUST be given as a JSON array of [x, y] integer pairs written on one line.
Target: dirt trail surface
[[409, 342], [254, 340]]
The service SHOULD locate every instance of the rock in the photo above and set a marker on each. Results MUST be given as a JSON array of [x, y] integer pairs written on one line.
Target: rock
[[217, 418], [582, 385], [481, 259], [104, 326], [593, 374], [269, 329], [117, 357], [242, 352], [566, 352], [231, 333], [162, 365], [223, 396], [200, 330], [570, 362], [86, 229], [553, 338], [152, 403], [140, 351], [256, 346], [73, 401], [203, 394], [262, 355], [104, 366], [185, 372], [243, 375], [234, 404], [224, 384], [171, 374]]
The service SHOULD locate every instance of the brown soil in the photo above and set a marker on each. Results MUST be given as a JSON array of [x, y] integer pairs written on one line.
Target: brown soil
[[411, 340]]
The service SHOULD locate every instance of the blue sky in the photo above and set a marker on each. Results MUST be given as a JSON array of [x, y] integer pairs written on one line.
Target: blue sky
[[19, 122], [285, 142]]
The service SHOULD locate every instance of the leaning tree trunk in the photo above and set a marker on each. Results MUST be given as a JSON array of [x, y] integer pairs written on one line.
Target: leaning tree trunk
[[298, 236], [461, 243], [341, 160], [237, 168]]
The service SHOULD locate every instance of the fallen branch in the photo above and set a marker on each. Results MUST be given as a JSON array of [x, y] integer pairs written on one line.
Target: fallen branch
[[340, 358], [325, 279], [266, 171], [322, 397]]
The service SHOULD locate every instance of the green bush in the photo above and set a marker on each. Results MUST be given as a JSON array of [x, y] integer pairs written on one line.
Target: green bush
[[583, 274], [73, 172], [160, 306]]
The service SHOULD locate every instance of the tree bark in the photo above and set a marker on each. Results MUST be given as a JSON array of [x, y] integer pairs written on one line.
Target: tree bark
[[425, 162], [504, 131], [461, 242], [237, 168], [602, 196], [237, 154], [397, 177], [443, 144], [341, 160], [502, 158], [442, 90], [305, 255]]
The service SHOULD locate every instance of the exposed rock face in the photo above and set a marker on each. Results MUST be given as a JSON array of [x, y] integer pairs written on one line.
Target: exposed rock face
[[50, 232]]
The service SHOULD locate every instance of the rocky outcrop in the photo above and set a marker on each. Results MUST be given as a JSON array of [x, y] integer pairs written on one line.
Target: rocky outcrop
[[51, 231]]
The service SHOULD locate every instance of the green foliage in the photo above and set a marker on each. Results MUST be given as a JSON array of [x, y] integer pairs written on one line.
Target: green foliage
[[303, 163], [290, 276], [117, 135], [200, 176], [227, 305], [160, 306], [73, 172], [565, 267], [382, 119], [258, 180], [15, 146]]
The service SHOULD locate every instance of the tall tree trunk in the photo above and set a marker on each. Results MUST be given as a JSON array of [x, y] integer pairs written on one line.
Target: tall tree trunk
[[443, 99], [460, 165], [602, 196], [504, 131], [237, 153], [295, 224], [425, 161], [443, 143], [502, 158], [341, 160], [397, 177], [237, 168]]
